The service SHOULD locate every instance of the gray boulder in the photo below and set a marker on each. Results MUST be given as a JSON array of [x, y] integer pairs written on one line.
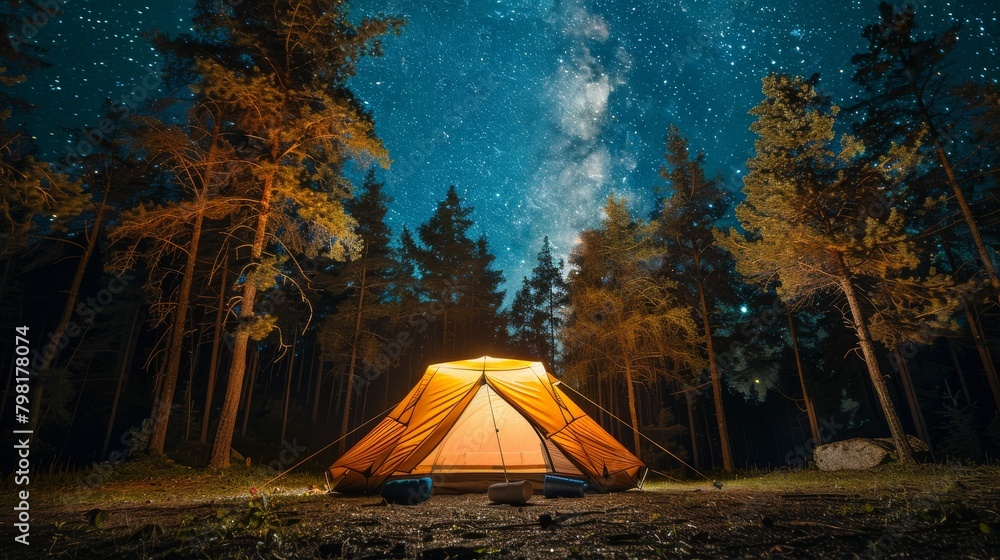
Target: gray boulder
[[860, 454]]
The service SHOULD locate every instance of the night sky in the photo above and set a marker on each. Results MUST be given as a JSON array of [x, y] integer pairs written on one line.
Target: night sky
[[536, 110]]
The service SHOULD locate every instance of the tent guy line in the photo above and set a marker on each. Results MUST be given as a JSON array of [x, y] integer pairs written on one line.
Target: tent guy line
[[557, 383], [328, 446], [441, 428], [647, 438]]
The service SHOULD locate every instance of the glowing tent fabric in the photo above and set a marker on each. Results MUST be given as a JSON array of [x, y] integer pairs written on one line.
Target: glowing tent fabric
[[466, 421]]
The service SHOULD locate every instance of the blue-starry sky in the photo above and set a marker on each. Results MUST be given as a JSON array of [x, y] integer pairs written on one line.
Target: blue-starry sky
[[535, 109]]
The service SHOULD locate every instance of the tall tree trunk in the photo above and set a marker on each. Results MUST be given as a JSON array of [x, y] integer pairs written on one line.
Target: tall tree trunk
[[160, 367], [319, 387], [614, 425], [975, 329], [550, 318], [810, 408], [330, 399], [354, 357], [216, 357], [76, 407], [189, 393], [187, 399], [695, 456], [631, 405], [602, 398], [970, 221], [304, 372], [989, 366], [230, 407], [161, 405], [385, 396], [963, 204], [67, 313], [978, 338], [409, 365], [124, 363], [444, 332], [910, 390], [288, 386], [958, 370], [713, 368], [868, 351], [707, 425], [254, 361]]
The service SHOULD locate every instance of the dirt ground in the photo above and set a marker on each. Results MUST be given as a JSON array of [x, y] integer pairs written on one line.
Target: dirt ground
[[936, 513]]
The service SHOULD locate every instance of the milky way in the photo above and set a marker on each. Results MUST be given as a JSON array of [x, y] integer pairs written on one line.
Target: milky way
[[535, 110]]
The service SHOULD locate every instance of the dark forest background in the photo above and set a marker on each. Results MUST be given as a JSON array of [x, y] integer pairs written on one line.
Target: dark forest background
[[215, 271]]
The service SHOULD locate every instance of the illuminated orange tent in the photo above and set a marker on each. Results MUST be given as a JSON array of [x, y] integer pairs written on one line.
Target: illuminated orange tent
[[467, 422]]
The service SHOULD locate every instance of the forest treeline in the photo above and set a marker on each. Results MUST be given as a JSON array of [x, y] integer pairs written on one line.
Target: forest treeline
[[216, 271]]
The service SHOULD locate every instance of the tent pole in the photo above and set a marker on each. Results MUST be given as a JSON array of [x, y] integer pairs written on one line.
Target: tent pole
[[496, 430]]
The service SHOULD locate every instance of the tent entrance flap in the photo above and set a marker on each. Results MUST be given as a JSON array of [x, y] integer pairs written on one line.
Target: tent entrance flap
[[470, 447]]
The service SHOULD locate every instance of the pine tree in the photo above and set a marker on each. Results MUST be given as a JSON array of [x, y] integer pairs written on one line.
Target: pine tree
[[536, 313], [407, 286], [486, 326], [909, 92], [445, 248], [363, 283], [548, 283], [197, 159], [910, 96], [685, 223], [35, 199], [456, 274], [521, 318], [805, 198], [279, 71], [625, 324], [982, 103]]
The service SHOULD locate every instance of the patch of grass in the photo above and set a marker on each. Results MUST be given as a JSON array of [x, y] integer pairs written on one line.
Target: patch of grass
[[156, 479], [159, 481], [887, 477]]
